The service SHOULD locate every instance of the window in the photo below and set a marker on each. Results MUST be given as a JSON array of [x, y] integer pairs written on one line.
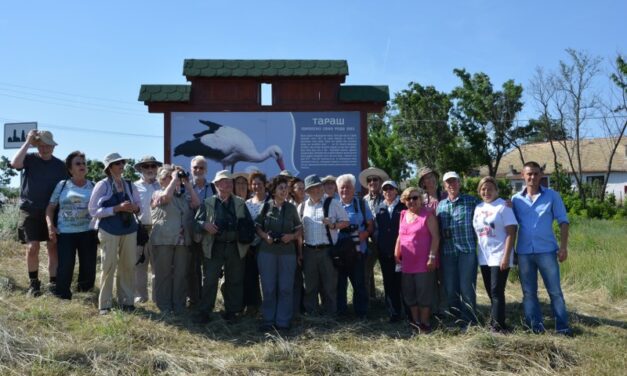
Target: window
[[599, 179], [266, 94]]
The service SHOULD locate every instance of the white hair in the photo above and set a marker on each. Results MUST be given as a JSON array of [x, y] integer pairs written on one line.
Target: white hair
[[164, 171], [346, 178], [197, 159]]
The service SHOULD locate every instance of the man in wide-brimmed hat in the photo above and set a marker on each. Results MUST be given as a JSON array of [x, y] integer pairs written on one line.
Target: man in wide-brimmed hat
[[146, 185], [41, 173], [372, 178], [217, 221], [319, 233]]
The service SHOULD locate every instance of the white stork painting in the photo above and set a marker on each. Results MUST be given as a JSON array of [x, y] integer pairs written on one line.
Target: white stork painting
[[227, 146]]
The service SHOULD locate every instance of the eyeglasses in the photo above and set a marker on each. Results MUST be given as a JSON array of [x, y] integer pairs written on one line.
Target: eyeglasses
[[150, 166], [414, 198], [117, 163], [370, 179], [80, 164]]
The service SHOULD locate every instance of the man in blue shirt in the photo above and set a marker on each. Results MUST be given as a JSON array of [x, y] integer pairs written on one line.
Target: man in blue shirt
[[536, 208]]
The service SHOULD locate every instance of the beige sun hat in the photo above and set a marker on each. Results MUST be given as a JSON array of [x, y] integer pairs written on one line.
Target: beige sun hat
[[372, 171], [424, 172], [112, 158], [221, 175], [45, 137], [147, 159], [240, 175], [328, 178]]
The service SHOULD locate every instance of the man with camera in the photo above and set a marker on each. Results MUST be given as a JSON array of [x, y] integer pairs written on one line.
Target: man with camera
[[217, 221], [146, 186], [459, 250], [41, 173]]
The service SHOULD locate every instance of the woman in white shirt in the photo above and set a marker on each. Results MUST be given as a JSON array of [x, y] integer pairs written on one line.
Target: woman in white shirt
[[495, 225]]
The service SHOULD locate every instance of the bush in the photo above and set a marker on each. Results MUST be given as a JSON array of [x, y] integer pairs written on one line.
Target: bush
[[8, 221]]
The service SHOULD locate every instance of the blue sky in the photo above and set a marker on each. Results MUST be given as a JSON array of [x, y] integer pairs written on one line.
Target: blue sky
[[76, 67]]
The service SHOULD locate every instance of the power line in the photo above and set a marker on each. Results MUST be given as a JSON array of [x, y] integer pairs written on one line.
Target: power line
[[67, 94], [85, 130], [95, 107]]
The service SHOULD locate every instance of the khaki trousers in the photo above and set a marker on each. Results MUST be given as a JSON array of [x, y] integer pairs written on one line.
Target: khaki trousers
[[320, 277], [118, 252], [170, 268]]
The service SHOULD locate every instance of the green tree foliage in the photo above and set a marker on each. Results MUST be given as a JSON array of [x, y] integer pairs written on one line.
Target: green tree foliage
[[95, 170], [385, 150], [424, 130], [470, 185], [6, 171], [487, 117]]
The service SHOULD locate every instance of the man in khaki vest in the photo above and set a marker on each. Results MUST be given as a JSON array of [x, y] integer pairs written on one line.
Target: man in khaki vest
[[217, 221]]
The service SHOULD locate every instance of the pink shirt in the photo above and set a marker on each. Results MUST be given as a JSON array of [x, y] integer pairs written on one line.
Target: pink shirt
[[415, 242]]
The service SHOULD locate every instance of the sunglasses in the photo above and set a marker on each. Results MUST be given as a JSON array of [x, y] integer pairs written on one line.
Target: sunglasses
[[118, 163], [150, 166], [370, 179], [414, 198], [80, 164]]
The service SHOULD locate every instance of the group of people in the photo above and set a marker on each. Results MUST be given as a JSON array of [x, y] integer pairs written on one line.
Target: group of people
[[286, 246]]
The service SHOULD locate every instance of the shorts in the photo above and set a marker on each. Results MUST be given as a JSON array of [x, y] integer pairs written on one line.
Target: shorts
[[419, 288], [32, 227]]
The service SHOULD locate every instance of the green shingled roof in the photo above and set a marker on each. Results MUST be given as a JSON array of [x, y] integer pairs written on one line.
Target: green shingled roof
[[264, 68], [364, 93], [165, 93]]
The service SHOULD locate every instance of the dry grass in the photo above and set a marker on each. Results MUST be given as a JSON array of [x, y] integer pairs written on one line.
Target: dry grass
[[46, 336]]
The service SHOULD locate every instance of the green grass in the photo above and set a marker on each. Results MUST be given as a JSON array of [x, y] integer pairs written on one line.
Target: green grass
[[45, 336]]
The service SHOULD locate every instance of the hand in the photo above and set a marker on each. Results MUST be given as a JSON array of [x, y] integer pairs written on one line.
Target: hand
[[268, 239], [31, 138], [287, 238], [175, 175], [363, 235], [52, 233], [509, 203], [299, 259], [504, 263], [126, 206], [431, 264], [397, 258], [326, 221], [562, 254], [211, 228]]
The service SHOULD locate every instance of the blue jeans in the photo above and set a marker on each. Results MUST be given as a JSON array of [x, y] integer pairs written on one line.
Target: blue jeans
[[547, 264], [277, 284], [358, 281], [459, 272]]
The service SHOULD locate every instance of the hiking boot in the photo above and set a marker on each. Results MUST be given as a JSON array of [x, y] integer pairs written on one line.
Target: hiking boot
[[34, 289], [52, 288]]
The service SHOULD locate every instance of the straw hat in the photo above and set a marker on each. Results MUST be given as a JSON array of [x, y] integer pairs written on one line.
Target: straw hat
[[372, 171]]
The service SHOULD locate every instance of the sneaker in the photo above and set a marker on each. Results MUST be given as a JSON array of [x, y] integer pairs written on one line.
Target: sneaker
[[104, 311], [140, 299], [425, 329], [34, 289]]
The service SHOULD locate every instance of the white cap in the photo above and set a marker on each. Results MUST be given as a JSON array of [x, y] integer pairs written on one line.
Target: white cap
[[450, 175], [391, 183]]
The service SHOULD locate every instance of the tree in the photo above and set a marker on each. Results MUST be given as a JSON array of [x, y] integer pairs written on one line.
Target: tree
[[8, 172], [423, 125], [385, 150], [487, 117], [576, 102], [614, 122]]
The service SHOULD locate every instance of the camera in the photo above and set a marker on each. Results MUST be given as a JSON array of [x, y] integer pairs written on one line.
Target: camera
[[276, 236], [350, 229], [182, 174], [126, 219]]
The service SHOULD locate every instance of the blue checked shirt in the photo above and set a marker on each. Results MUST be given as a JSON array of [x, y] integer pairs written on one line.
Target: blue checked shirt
[[457, 232]]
